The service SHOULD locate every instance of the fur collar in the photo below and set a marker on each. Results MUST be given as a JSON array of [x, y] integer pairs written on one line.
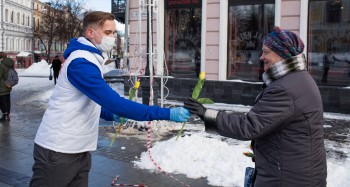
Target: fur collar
[[279, 69]]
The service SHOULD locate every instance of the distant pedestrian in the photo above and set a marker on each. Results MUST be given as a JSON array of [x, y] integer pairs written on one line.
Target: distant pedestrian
[[286, 122], [329, 60], [69, 128], [56, 66], [3, 55], [5, 97]]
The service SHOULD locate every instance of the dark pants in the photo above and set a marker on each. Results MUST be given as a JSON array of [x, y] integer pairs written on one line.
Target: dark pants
[[325, 74], [56, 169], [5, 103], [55, 75]]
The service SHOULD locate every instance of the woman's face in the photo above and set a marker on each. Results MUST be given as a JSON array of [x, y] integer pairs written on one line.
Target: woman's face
[[269, 57]]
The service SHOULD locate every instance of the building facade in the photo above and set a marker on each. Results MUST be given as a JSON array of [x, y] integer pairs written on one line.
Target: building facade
[[16, 30], [223, 39]]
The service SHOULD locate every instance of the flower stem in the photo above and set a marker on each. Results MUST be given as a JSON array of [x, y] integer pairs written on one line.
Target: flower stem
[[118, 131], [182, 128]]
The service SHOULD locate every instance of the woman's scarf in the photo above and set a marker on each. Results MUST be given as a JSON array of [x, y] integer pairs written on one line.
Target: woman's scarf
[[279, 69]]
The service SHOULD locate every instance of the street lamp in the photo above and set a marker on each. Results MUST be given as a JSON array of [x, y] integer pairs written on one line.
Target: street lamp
[[146, 85]]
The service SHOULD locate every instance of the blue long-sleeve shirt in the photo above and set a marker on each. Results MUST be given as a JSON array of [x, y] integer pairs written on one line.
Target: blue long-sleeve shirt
[[86, 77]]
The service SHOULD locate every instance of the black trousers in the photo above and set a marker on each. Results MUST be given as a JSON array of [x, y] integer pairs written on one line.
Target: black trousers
[[56, 169], [5, 103], [55, 75]]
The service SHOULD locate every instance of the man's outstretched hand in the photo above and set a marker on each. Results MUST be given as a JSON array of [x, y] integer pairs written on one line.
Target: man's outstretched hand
[[179, 114], [195, 107]]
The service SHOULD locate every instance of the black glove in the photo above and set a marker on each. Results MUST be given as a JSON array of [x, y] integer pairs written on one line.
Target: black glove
[[195, 107]]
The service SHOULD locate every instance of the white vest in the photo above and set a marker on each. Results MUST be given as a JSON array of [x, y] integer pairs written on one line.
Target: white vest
[[70, 123]]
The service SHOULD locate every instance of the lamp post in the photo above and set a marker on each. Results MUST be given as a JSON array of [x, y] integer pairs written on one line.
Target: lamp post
[[147, 84]]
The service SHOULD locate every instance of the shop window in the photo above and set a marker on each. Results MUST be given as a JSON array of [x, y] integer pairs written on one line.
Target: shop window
[[333, 11], [248, 22], [183, 38], [329, 42]]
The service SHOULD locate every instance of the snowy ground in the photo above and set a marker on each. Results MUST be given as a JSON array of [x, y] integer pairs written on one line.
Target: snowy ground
[[198, 154]]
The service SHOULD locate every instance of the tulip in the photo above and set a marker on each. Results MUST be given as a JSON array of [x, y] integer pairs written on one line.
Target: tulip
[[131, 97], [196, 91], [202, 76], [137, 85]]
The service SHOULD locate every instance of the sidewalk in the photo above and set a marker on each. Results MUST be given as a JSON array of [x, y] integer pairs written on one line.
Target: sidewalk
[[16, 147], [28, 106]]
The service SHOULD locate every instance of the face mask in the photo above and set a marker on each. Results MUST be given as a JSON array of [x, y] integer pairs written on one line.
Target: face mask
[[107, 43]]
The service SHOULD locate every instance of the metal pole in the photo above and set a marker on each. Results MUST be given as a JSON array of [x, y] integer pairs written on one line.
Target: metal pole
[[126, 35], [150, 50]]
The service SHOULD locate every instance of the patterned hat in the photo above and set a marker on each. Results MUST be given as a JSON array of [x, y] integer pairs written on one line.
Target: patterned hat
[[284, 43]]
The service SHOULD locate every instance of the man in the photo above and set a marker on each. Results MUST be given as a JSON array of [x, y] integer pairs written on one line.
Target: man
[[69, 128], [286, 122], [56, 66]]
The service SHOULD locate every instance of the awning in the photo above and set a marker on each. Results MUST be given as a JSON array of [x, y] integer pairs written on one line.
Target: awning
[[23, 54]]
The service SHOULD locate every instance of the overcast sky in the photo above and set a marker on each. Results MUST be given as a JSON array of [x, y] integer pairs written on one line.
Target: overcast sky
[[102, 5]]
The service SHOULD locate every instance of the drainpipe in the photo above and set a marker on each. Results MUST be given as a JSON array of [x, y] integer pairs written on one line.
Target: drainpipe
[[2, 25]]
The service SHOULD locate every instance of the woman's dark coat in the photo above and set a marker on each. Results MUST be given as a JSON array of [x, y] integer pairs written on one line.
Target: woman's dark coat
[[286, 124], [5, 66]]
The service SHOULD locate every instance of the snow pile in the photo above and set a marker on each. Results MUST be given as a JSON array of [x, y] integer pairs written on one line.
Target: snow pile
[[201, 155]]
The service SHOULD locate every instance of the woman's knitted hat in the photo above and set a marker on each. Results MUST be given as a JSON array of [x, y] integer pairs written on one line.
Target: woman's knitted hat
[[285, 43]]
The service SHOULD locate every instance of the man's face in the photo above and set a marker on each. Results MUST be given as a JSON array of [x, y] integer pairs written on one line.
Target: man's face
[[108, 29], [269, 57]]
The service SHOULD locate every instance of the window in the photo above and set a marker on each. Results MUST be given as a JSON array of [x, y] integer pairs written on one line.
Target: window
[[6, 15], [333, 11], [7, 44], [183, 39], [248, 22], [18, 18], [12, 15], [329, 41]]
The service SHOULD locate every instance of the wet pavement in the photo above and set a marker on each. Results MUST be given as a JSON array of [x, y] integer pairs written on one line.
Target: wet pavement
[[17, 141], [16, 147]]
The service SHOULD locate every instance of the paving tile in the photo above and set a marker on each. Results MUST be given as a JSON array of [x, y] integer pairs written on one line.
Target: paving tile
[[4, 185], [8, 155]]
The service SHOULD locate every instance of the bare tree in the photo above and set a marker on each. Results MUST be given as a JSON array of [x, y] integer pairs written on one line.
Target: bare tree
[[72, 23], [61, 21]]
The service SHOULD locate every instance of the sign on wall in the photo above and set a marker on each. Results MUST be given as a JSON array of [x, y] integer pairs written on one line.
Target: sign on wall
[[183, 3]]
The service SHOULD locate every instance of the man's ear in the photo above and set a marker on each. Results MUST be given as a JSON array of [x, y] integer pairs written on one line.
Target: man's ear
[[89, 33]]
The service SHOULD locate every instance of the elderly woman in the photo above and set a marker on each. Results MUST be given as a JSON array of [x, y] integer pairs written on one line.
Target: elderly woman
[[286, 122]]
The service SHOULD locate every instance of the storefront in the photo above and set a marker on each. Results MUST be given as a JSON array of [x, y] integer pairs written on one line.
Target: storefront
[[223, 38], [329, 42]]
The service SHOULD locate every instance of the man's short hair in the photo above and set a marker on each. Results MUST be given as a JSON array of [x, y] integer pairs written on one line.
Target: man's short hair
[[96, 18], [3, 55]]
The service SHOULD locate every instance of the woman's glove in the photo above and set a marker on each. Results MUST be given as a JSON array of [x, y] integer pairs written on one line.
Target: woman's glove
[[118, 119], [195, 107], [207, 115], [179, 114]]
